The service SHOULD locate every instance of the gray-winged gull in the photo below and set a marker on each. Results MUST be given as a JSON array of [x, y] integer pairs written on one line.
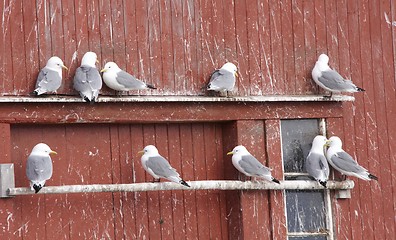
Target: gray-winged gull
[[249, 165], [119, 80], [87, 80], [343, 162], [223, 79], [330, 79], [39, 166], [158, 167], [316, 164], [50, 77]]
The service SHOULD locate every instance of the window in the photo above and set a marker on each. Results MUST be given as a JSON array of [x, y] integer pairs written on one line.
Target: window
[[308, 212]]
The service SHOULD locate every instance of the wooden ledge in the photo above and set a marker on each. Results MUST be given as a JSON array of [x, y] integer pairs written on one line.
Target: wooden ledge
[[115, 99]]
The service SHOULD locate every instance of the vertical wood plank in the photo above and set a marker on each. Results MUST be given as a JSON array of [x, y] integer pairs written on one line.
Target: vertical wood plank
[[153, 207], [310, 44], [253, 51], [200, 168], [378, 137], [242, 48], [117, 198], [9, 207], [254, 204], [129, 164], [221, 162], [70, 46], [178, 47], [276, 82], [165, 197], [180, 204], [193, 80], [154, 39], [320, 35], [288, 47], [5, 40], [18, 46], [31, 45], [212, 169], [299, 50], [341, 207], [276, 202], [140, 198], [56, 211], [185, 226], [233, 204], [44, 30], [168, 75], [366, 146], [388, 167]]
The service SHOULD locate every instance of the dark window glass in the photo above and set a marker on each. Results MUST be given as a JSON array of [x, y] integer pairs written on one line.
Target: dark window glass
[[297, 136], [305, 211]]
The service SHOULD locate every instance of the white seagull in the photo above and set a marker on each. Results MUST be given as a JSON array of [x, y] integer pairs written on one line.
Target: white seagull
[[223, 79], [330, 79], [119, 80], [87, 79], [249, 165], [343, 162], [39, 166], [316, 163], [158, 167], [50, 77]]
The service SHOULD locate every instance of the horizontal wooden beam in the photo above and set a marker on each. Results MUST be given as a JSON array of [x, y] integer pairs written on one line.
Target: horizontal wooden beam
[[195, 185], [194, 110], [114, 99]]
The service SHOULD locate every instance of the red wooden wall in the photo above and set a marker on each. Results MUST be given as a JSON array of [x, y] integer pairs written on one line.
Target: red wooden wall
[[176, 45]]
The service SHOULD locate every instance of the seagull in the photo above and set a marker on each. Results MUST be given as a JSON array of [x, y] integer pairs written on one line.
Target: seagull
[[343, 162], [50, 77], [316, 163], [249, 165], [330, 79], [87, 80], [223, 79], [158, 167], [119, 80], [39, 166]]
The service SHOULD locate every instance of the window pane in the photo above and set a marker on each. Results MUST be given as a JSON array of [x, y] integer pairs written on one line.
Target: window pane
[[308, 238], [305, 211], [297, 136]]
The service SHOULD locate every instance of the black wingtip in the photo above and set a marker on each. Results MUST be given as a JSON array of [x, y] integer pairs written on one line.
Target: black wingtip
[[371, 176], [151, 86], [276, 180], [35, 93], [184, 183], [37, 188], [360, 89], [323, 183]]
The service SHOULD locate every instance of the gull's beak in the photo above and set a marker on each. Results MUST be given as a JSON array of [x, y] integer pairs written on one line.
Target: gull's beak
[[53, 152], [103, 70], [236, 74], [141, 152], [97, 61], [65, 67], [327, 143], [230, 153]]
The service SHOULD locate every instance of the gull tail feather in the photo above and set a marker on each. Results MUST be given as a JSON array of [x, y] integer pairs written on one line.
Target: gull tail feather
[[184, 183], [371, 176], [150, 86], [275, 180], [360, 89], [323, 183]]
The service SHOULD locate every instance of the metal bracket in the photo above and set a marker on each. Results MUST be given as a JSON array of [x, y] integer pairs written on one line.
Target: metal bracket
[[7, 179], [343, 194]]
